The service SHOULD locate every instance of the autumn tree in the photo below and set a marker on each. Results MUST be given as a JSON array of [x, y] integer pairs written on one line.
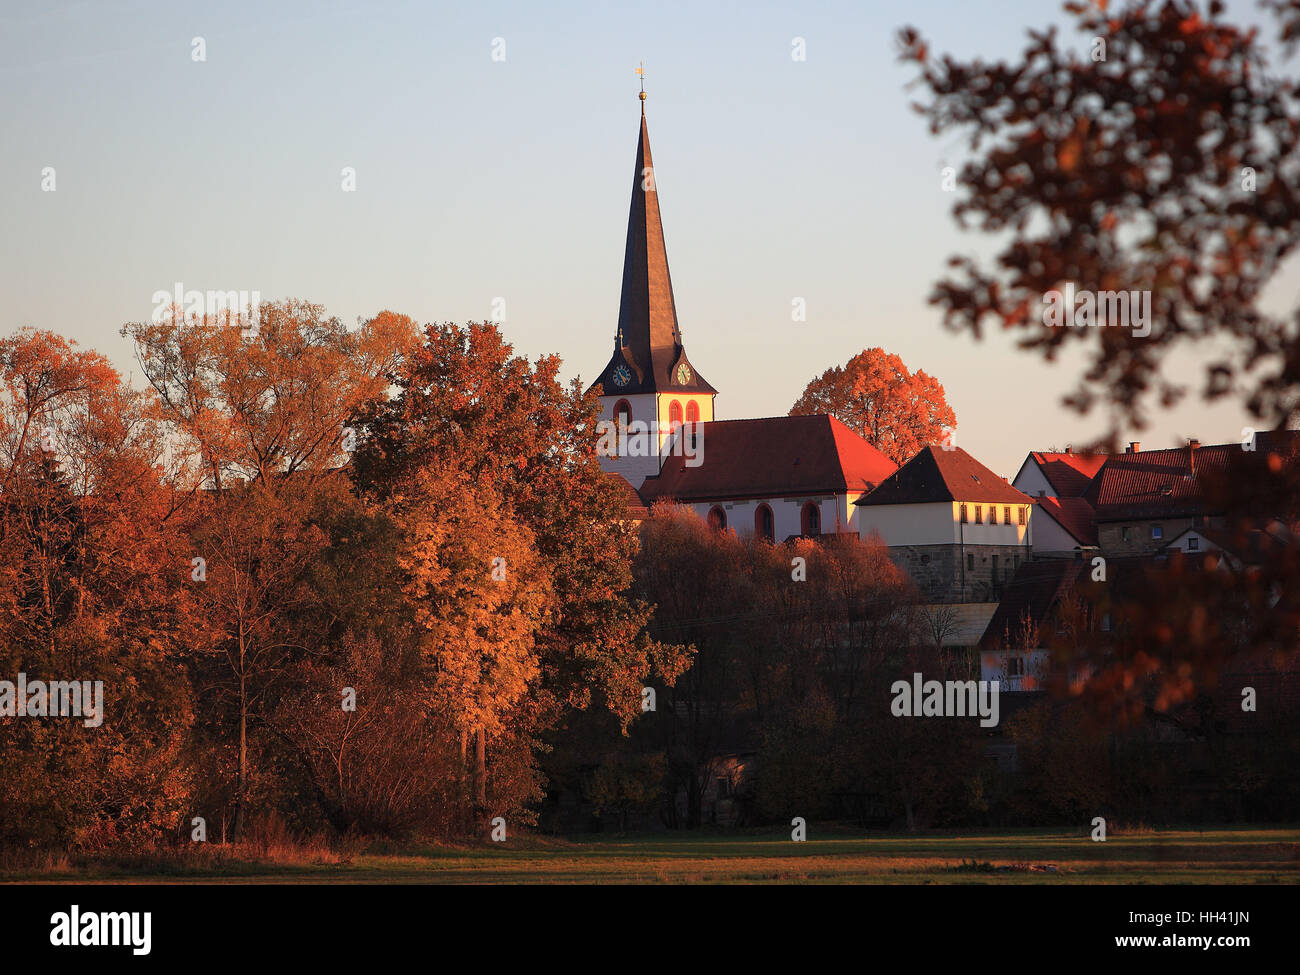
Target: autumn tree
[[1154, 155], [1155, 151], [261, 421], [481, 596], [511, 427], [896, 411], [90, 573]]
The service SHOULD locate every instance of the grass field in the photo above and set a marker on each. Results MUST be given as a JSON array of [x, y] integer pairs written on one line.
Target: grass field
[[1248, 856]]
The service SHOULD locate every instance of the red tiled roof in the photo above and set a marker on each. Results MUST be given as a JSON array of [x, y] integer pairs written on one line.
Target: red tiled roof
[[776, 456], [1074, 515], [937, 475], [1167, 483], [636, 509], [1070, 473]]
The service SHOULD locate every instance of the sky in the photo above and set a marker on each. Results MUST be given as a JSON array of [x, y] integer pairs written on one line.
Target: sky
[[481, 178]]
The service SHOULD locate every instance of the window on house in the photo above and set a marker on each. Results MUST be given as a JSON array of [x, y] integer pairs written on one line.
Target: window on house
[[1157, 531], [963, 514], [1105, 622], [979, 514], [1023, 514], [692, 412], [993, 514], [717, 519], [764, 525], [1006, 515], [1123, 534], [1193, 544], [811, 519], [623, 413], [1015, 666], [970, 563]]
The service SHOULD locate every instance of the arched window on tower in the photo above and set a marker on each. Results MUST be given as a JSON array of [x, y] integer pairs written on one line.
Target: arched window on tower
[[718, 519], [811, 519], [764, 524], [692, 412], [674, 416], [622, 413]]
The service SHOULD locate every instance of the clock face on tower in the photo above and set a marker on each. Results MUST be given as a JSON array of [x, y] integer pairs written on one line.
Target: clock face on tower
[[621, 375], [683, 374]]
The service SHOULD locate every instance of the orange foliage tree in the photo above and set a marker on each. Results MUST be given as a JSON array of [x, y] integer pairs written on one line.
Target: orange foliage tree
[[896, 411]]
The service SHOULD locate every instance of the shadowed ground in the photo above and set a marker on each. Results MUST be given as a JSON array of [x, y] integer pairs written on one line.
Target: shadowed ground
[[1218, 856]]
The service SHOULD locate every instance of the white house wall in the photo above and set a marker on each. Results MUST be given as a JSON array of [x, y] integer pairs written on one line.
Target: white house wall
[[1031, 480], [939, 523], [1049, 536], [787, 513]]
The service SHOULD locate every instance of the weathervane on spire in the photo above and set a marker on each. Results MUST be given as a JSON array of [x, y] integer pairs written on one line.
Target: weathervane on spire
[[641, 72]]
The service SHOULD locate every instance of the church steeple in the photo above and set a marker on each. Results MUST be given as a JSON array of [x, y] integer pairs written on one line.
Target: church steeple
[[648, 352]]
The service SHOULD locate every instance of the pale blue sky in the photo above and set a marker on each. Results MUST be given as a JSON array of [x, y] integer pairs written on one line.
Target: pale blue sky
[[479, 179]]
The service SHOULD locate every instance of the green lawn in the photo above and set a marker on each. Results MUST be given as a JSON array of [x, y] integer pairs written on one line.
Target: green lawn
[[1034, 857]]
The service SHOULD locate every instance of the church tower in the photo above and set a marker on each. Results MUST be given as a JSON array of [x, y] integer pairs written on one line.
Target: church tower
[[649, 384]]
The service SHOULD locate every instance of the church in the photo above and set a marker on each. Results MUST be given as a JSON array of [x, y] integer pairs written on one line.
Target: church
[[781, 477], [776, 477]]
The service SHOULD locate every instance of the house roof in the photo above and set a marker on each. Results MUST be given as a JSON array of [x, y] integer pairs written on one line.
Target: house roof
[[776, 456], [634, 507], [936, 474], [1074, 515], [1249, 543], [648, 343], [1171, 483], [1067, 473], [1032, 593]]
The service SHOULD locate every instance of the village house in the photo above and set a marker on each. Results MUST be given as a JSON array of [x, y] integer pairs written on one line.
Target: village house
[[957, 528]]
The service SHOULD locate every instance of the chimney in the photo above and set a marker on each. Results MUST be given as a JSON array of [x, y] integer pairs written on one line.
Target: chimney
[[1069, 449], [1191, 453], [1193, 443], [1134, 447]]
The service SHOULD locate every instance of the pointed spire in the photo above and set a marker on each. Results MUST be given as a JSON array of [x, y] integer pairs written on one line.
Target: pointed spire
[[647, 314], [648, 337]]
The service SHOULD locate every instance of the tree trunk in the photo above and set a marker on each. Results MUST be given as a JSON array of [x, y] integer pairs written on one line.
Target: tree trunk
[[242, 785], [480, 770]]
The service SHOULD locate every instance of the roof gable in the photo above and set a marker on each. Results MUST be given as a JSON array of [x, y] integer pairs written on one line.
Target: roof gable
[[1068, 473], [938, 475]]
